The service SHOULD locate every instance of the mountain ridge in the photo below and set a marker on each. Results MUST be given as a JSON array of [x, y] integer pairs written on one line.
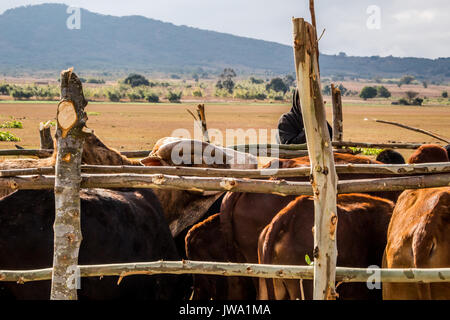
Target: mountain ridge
[[37, 39]]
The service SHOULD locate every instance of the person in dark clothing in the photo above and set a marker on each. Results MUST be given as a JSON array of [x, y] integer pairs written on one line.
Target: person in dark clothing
[[290, 126]]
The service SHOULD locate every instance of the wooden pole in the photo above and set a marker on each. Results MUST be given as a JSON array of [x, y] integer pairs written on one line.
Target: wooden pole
[[200, 184], [428, 133], [45, 134], [323, 173], [202, 118], [344, 274], [71, 120], [367, 169], [337, 114], [312, 10]]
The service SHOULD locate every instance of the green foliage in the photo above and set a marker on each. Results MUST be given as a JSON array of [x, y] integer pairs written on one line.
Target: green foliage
[[197, 93], [152, 97], [277, 85], [136, 80], [406, 79], [248, 94], [8, 136], [444, 94], [308, 260], [383, 92], [114, 95], [174, 97], [4, 88], [226, 80], [95, 81], [253, 80], [368, 93], [12, 124], [91, 113], [367, 151]]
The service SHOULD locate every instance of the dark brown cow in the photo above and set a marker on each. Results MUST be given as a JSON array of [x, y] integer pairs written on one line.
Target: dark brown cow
[[118, 226], [419, 234], [361, 239], [243, 216]]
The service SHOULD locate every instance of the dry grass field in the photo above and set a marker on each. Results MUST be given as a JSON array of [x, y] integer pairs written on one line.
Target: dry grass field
[[139, 126]]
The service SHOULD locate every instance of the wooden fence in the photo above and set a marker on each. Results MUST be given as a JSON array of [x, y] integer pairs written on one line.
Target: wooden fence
[[70, 131]]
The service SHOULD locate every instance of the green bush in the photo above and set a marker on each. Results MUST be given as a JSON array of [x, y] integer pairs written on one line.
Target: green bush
[[174, 97], [197, 93], [8, 136], [136, 80], [277, 85], [4, 89], [12, 124], [445, 94], [96, 81], [368, 93], [21, 93], [383, 92], [152, 97], [114, 95]]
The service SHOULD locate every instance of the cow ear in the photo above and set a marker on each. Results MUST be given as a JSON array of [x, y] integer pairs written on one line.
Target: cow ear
[[151, 161]]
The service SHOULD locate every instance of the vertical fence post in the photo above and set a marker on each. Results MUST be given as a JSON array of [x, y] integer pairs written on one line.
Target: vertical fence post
[[45, 134], [202, 118], [71, 120], [338, 125], [323, 172]]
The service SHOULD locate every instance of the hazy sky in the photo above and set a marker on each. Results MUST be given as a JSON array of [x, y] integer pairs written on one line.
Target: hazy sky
[[402, 27]]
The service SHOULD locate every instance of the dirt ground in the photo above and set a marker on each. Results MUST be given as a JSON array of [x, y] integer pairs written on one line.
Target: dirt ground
[[139, 126]]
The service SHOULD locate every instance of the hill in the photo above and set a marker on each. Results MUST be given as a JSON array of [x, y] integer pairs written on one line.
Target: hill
[[35, 38]]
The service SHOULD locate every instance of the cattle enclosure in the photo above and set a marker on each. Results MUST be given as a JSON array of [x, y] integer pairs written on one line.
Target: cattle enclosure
[[410, 177]]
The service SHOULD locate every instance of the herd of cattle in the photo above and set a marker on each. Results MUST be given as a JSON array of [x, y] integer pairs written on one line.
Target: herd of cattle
[[409, 229]]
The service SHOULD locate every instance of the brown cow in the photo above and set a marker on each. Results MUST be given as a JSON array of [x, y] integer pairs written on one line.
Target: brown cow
[[361, 239], [243, 216], [419, 234]]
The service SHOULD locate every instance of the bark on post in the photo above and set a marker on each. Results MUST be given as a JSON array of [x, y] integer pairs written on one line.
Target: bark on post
[[202, 118], [71, 120], [46, 136], [323, 173], [337, 114]]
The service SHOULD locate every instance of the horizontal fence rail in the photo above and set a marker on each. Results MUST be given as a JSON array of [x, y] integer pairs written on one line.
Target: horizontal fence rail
[[384, 169], [200, 184], [282, 149], [343, 274]]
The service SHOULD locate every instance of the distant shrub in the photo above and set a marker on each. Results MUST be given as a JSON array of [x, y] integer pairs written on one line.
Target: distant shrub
[[8, 136], [175, 76], [96, 81], [445, 94], [136, 80], [12, 124], [277, 85], [253, 80], [366, 151], [174, 97], [152, 97], [383, 92], [197, 93], [368, 93], [134, 96], [114, 95], [4, 88], [21, 93], [248, 94]]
